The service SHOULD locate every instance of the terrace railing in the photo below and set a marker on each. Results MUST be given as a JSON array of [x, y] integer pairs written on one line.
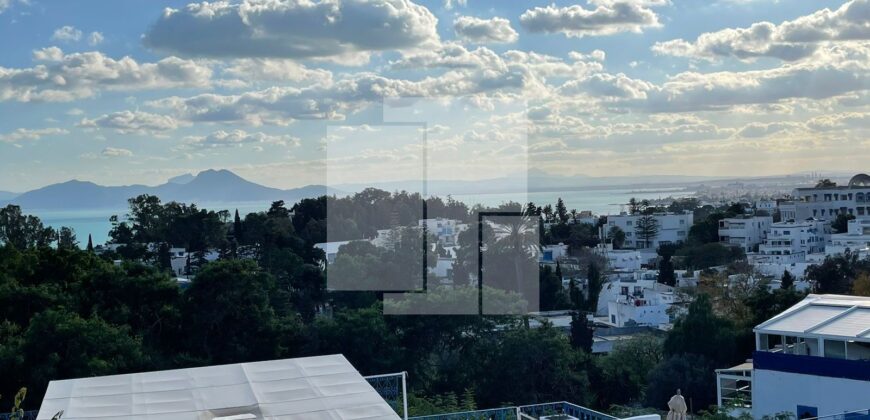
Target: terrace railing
[[525, 412]]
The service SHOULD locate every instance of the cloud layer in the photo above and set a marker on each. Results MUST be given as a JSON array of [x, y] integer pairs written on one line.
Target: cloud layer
[[606, 18], [484, 31], [292, 29], [789, 41]]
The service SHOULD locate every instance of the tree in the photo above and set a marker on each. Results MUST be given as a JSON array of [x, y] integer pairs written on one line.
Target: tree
[[23, 231], [825, 183], [581, 332], [543, 367], [633, 206], [595, 283], [561, 211], [647, 229], [710, 255], [620, 377], [363, 336], [60, 345], [787, 280], [229, 317], [238, 232], [90, 247], [551, 291], [716, 344], [861, 285], [835, 274], [692, 374], [841, 223], [66, 238], [666, 267], [617, 237]]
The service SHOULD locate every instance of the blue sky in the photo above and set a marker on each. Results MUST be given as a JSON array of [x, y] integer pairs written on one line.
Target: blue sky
[[122, 92]]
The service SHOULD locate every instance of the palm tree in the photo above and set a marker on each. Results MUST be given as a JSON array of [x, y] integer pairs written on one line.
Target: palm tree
[[518, 238]]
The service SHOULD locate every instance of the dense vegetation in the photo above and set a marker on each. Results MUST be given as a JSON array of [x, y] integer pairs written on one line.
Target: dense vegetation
[[69, 312]]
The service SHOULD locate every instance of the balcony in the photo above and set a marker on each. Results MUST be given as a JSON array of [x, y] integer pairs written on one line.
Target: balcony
[[858, 370]]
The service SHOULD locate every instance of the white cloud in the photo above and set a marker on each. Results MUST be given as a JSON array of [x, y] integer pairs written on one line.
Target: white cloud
[[31, 134], [609, 86], [839, 70], [95, 38], [757, 129], [116, 152], [845, 120], [789, 41], [66, 34], [238, 138], [132, 122], [483, 31], [276, 70], [450, 4], [291, 29], [606, 18], [59, 77]]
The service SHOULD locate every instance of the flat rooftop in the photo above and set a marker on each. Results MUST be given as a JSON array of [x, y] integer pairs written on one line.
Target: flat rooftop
[[824, 316]]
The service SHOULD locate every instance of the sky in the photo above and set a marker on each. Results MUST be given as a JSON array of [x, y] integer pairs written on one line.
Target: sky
[[288, 93]]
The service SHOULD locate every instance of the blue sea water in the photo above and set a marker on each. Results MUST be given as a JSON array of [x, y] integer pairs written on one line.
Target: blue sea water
[[95, 222]]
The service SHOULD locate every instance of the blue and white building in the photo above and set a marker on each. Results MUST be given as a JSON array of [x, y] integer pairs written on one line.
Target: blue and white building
[[812, 360]]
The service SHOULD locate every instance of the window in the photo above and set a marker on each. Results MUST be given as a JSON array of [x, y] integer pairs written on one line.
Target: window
[[835, 349], [807, 412]]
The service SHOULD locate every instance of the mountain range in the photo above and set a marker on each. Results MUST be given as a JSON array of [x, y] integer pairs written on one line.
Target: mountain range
[[223, 186], [211, 186]]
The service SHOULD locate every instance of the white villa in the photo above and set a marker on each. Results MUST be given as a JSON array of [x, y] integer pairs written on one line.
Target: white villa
[[791, 242], [672, 228], [828, 202], [812, 360], [855, 239], [744, 232]]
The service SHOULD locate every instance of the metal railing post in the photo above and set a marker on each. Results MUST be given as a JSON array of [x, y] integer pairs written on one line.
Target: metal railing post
[[405, 394]]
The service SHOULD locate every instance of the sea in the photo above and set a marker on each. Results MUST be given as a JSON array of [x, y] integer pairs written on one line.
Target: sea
[[96, 222]]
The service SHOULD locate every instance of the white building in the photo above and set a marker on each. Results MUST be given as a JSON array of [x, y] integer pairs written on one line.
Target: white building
[[553, 253], [672, 228], [767, 205], [636, 298], [330, 249], [445, 230], [791, 242], [812, 360], [828, 202], [646, 307], [625, 259], [744, 232], [855, 239]]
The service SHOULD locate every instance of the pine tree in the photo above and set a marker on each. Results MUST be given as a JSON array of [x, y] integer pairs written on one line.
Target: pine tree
[[90, 244], [237, 227], [581, 332], [787, 280], [594, 278], [561, 211]]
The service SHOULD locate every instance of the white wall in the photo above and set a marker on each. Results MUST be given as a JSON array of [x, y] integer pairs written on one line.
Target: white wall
[[774, 392]]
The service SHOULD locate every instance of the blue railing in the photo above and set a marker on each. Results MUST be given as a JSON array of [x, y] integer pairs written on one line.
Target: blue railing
[[812, 365], [563, 407], [534, 410], [507, 413]]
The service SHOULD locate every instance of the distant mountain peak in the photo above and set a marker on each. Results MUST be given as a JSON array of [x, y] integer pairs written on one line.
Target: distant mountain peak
[[181, 179], [217, 174]]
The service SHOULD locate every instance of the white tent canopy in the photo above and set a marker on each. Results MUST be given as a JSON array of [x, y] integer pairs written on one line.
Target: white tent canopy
[[311, 388]]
